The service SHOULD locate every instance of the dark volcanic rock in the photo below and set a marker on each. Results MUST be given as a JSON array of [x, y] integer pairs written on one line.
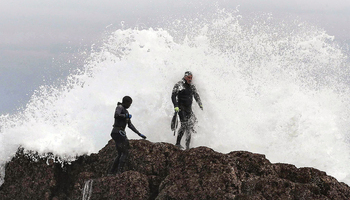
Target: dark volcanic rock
[[129, 185], [161, 171]]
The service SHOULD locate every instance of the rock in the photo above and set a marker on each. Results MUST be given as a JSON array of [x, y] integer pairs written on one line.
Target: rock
[[162, 171], [128, 185]]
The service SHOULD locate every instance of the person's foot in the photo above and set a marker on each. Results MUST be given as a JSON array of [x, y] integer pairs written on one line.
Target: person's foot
[[179, 146]]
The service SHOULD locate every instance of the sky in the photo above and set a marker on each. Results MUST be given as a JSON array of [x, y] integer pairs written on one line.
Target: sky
[[41, 41]]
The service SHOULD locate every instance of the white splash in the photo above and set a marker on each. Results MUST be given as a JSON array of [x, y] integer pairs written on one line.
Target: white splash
[[87, 189]]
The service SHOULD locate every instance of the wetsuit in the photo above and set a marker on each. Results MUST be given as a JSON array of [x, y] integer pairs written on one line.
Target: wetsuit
[[182, 97], [119, 136]]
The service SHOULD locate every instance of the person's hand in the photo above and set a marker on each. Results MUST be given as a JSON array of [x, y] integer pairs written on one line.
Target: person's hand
[[128, 115], [143, 136], [177, 109]]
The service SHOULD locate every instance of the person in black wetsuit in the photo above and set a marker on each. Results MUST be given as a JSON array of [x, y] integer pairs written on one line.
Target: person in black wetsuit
[[121, 119], [182, 97]]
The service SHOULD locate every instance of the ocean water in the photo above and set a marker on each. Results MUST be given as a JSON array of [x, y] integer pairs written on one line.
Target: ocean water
[[279, 88]]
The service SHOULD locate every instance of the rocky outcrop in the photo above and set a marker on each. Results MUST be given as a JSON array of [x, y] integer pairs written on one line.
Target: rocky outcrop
[[161, 171]]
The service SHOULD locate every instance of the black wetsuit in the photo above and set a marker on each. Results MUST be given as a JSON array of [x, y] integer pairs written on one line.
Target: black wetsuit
[[119, 136], [182, 97]]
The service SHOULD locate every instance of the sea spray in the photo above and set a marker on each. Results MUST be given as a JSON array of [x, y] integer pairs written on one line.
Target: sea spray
[[87, 189], [2, 173], [270, 87]]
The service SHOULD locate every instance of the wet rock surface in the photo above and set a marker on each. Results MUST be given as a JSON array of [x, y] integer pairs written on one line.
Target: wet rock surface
[[161, 171]]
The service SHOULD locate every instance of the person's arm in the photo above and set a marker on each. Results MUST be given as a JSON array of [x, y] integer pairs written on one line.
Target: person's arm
[[132, 127], [174, 95], [196, 96], [118, 113]]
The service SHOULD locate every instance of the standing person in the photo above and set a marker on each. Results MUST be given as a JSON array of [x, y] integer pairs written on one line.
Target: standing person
[[182, 97], [121, 119]]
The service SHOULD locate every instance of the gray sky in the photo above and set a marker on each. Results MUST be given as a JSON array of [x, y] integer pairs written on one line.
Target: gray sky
[[37, 37]]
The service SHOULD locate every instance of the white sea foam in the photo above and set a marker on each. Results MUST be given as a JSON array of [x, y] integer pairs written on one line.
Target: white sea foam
[[268, 87]]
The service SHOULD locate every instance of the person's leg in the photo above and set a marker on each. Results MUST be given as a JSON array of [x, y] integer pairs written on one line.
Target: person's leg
[[190, 129], [113, 167], [188, 139], [115, 164], [122, 145], [124, 154], [180, 133], [182, 129]]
